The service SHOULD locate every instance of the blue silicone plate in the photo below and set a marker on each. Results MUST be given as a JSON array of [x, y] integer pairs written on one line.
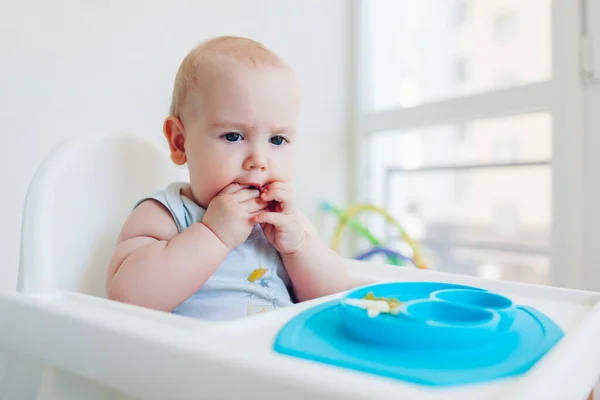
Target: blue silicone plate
[[444, 334]]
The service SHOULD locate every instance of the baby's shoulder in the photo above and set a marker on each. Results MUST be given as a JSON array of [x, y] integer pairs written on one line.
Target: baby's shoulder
[[149, 219], [152, 215]]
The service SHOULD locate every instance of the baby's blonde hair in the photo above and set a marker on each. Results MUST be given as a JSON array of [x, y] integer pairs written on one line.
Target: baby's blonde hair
[[243, 50]]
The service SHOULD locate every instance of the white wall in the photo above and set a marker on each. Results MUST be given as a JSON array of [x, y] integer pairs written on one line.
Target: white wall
[[72, 68]]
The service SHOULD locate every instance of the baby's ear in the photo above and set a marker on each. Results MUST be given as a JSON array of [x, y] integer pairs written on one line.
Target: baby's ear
[[173, 131]]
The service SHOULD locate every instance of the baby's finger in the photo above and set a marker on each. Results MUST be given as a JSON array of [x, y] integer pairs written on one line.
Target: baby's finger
[[277, 186], [279, 195], [274, 194], [272, 218], [246, 194], [255, 205], [231, 188]]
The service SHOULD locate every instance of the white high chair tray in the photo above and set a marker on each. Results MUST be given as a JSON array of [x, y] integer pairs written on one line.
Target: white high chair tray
[[138, 353]]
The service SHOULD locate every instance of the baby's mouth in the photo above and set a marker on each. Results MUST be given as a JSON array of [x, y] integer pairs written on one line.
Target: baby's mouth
[[252, 186]]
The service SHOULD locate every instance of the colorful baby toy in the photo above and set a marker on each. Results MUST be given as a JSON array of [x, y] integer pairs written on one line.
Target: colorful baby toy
[[348, 218]]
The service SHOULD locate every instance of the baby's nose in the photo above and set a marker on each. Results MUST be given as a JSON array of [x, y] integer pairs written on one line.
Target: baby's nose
[[255, 161]]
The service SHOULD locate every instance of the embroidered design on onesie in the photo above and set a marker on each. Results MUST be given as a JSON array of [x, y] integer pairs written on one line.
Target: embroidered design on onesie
[[257, 274], [264, 283]]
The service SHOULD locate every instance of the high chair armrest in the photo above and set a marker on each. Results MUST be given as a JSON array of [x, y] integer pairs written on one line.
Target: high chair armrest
[[175, 357]]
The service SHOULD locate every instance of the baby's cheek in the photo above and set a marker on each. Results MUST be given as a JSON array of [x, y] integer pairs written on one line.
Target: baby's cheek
[[283, 170], [210, 185]]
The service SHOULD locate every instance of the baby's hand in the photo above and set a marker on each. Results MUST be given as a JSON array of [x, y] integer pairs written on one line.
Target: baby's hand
[[280, 222], [230, 214]]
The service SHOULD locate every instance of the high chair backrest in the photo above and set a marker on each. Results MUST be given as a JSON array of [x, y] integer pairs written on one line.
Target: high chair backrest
[[76, 204]]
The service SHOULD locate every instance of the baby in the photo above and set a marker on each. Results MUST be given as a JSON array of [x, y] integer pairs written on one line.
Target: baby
[[231, 243]]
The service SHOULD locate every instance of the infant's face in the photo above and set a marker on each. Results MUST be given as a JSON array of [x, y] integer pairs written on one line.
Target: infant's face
[[241, 128]]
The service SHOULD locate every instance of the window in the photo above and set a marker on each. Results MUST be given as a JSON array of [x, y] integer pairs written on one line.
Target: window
[[505, 26], [413, 55], [456, 132]]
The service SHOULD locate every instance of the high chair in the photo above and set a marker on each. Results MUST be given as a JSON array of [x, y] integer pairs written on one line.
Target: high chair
[[75, 205], [60, 338]]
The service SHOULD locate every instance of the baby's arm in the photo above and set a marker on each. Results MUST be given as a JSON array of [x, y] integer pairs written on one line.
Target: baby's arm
[[315, 269], [154, 266]]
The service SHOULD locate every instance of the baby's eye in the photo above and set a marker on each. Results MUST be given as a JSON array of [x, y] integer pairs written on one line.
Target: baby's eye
[[278, 140], [232, 137]]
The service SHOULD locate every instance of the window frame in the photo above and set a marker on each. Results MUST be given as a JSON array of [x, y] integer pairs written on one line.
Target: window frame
[[561, 97]]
